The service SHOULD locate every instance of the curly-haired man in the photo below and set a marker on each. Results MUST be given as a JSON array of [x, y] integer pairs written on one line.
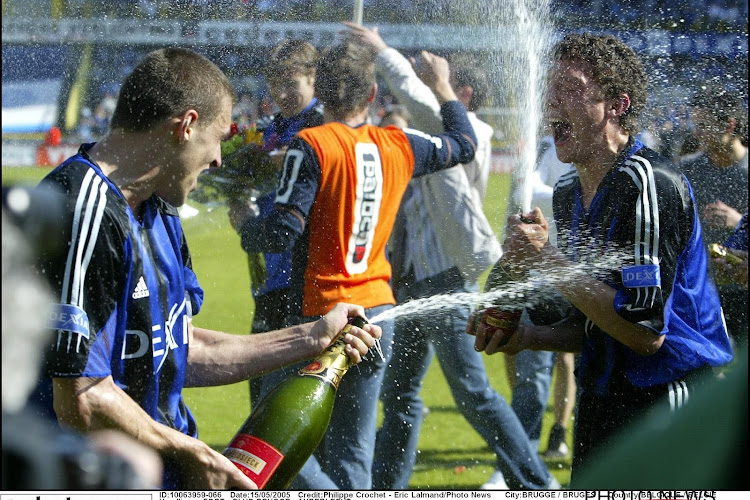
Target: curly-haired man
[[630, 256]]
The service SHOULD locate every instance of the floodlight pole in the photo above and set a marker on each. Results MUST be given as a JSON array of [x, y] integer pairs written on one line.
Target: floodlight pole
[[358, 12]]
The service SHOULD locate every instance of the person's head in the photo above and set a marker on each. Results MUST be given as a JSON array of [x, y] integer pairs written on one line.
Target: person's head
[[290, 73], [165, 84], [720, 117], [469, 81], [184, 103], [398, 116], [597, 87], [345, 81]]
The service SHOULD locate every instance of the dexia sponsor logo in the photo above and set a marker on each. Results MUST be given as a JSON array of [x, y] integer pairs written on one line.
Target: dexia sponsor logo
[[641, 276], [69, 318]]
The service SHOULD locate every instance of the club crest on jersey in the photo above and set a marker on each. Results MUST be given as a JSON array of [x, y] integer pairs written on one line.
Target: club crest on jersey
[[641, 276], [369, 195], [69, 318], [141, 290]]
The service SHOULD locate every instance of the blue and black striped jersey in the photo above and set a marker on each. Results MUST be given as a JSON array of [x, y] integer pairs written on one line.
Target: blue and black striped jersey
[[642, 235], [126, 293]]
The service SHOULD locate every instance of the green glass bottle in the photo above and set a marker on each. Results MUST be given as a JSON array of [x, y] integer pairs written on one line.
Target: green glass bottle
[[288, 424], [501, 315]]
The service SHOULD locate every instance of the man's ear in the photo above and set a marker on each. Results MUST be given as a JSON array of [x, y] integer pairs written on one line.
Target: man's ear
[[620, 104], [373, 93], [731, 125], [186, 125], [465, 94]]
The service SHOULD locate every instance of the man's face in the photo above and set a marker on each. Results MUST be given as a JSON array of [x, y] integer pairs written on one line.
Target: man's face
[[202, 150], [575, 111], [711, 134], [292, 92]]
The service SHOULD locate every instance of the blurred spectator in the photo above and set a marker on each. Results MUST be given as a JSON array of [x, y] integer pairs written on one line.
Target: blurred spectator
[[398, 116], [86, 125], [103, 112], [290, 72], [719, 178], [245, 112]]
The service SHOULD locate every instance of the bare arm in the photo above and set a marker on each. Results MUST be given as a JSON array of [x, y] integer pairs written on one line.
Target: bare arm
[[217, 358], [87, 404]]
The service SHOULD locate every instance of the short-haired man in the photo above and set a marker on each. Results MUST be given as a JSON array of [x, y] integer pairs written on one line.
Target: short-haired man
[[335, 206], [630, 256], [124, 343]]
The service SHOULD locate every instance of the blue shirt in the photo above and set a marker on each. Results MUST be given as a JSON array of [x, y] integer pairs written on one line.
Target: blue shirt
[[643, 216], [279, 133], [126, 292]]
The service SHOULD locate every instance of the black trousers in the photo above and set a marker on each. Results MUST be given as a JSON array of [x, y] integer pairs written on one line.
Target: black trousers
[[600, 420]]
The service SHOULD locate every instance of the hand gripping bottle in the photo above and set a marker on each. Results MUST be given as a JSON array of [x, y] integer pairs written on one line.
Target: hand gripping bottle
[[503, 315], [716, 250], [288, 424]]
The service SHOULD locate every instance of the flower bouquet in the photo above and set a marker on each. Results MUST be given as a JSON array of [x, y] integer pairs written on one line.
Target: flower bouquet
[[247, 167]]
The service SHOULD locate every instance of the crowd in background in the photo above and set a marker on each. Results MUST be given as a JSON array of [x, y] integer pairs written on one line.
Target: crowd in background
[[667, 127], [718, 15]]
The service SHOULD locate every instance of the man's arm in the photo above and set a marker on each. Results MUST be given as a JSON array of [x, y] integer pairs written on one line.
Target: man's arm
[[279, 231], [217, 358], [527, 245], [88, 404], [458, 143], [402, 80]]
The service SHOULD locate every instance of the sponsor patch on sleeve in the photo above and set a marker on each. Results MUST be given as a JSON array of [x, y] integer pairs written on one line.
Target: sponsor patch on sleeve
[[69, 318], [641, 276]]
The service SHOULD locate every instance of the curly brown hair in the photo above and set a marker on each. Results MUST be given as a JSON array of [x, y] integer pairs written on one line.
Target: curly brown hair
[[345, 78], [614, 66], [168, 82]]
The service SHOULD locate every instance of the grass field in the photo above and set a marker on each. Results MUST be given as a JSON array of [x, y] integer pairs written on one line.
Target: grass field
[[451, 456]]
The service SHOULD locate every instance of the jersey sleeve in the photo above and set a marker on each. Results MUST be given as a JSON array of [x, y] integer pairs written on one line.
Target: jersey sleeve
[[88, 281], [295, 195], [650, 236], [456, 145]]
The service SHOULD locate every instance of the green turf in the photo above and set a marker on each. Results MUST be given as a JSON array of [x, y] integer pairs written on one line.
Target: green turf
[[451, 453]]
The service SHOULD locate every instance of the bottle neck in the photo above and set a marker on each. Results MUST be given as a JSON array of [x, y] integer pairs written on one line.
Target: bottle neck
[[333, 363]]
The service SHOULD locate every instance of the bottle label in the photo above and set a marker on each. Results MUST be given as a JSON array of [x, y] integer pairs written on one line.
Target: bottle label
[[256, 458], [331, 365]]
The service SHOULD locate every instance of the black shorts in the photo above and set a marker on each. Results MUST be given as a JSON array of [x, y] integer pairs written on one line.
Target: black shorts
[[600, 419]]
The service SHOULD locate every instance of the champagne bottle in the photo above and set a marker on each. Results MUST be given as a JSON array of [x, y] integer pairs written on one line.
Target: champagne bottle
[[289, 422], [504, 314], [724, 277]]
